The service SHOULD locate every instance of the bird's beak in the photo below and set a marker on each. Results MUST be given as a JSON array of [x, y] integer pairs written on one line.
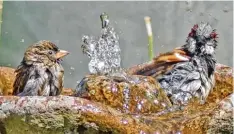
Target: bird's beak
[[61, 53]]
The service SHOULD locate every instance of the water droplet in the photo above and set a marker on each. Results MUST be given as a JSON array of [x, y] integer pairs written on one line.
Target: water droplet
[[226, 9], [135, 80], [93, 108], [124, 121], [178, 132], [163, 104], [72, 68], [142, 132], [114, 89], [139, 106], [126, 92], [156, 132], [156, 102], [137, 116], [101, 65]]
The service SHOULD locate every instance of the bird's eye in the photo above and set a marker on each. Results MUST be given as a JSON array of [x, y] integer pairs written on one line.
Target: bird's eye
[[50, 52]]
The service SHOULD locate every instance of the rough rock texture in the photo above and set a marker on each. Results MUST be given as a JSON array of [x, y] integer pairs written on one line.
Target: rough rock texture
[[63, 114], [135, 94], [7, 77], [222, 120]]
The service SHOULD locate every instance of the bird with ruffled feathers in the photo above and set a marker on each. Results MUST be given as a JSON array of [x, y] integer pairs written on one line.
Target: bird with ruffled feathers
[[40, 73], [187, 71]]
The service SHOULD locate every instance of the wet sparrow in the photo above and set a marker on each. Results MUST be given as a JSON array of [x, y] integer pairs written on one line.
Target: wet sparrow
[[40, 72], [189, 70]]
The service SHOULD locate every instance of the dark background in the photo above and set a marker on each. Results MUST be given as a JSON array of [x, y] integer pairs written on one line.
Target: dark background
[[65, 23]]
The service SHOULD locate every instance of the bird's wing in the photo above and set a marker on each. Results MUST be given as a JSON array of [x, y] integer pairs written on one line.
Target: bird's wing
[[161, 63], [32, 88], [28, 82], [20, 80], [177, 55]]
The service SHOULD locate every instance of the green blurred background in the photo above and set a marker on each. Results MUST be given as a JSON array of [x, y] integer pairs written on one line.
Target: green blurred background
[[65, 23]]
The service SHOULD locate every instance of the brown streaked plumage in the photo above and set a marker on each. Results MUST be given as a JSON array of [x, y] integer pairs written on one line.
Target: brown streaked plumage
[[162, 63], [40, 72]]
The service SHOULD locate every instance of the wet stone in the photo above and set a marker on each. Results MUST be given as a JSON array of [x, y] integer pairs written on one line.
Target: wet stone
[[137, 94]]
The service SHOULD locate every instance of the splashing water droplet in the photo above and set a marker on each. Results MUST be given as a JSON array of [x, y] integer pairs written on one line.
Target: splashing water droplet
[[126, 97], [124, 121], [103, 51], [114, 88], [139, 106], [145, 80], [163, 104], [142, 132], [72, 68], [156, 132], [178, 132], [156, 102]]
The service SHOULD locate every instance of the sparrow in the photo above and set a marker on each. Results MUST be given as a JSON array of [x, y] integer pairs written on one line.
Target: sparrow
[[40, 73], [187, 71]]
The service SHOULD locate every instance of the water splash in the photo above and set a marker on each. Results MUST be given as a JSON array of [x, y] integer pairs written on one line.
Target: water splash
[[124, 121], [140, 105], [103, 51], [126, 93]]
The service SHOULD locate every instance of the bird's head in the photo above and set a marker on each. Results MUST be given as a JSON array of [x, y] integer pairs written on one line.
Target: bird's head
[[202, 39], [44, 52]]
